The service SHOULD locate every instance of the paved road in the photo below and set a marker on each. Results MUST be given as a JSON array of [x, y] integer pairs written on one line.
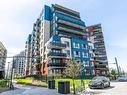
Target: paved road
[[117, 88], [31, 90]]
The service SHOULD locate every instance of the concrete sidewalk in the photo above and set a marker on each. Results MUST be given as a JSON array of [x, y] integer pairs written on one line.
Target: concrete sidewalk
[[31, 90]]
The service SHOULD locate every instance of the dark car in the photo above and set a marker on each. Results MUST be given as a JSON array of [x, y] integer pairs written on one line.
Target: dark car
[[99, 82]]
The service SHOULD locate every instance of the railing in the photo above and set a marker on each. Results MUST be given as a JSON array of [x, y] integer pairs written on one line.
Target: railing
[[57, 54], [57, 44], [71, 31], [57, 64]]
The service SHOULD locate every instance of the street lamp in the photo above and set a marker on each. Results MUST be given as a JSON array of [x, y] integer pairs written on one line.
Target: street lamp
[[116, 66]]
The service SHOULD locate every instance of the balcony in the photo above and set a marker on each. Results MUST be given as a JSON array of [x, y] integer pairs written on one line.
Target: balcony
[[56, 45], [72, 31], [56, 55], [57, 64], [101, 66], [101, 61], [70, 24]]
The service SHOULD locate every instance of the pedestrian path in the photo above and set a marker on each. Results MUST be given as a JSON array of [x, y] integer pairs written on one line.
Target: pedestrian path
[[31, 90]]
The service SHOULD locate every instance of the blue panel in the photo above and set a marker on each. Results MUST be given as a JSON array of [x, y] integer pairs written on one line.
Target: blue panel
[[56, 38], [80, 42], [47, 13], [61, 16]]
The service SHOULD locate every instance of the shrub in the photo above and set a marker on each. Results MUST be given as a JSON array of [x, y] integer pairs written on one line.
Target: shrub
[[3, 83]]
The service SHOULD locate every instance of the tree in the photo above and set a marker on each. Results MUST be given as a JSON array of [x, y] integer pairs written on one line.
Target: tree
[[73, 71], [113, 72]]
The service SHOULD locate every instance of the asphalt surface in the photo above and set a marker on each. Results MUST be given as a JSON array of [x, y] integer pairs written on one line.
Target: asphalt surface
[[116, 88]]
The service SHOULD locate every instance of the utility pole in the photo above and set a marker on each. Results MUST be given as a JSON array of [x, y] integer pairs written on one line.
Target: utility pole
[[117, 66], [11, 83]]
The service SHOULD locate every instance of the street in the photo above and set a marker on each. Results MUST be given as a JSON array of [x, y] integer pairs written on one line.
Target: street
[[117, 88]]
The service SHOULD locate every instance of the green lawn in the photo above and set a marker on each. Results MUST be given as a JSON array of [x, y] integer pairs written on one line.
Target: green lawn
[[44, 84], [31, 81], [77, 82]]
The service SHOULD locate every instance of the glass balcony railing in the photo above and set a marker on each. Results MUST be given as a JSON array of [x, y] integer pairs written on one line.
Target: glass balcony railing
[[57, 64], [57, 54], [71, 30], [56, 45]]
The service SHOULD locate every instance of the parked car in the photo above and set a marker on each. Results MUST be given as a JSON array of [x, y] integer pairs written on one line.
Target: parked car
[[99, 82], [122, 78]]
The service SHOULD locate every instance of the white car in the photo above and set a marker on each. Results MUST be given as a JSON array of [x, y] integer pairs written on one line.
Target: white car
[[122, 78]]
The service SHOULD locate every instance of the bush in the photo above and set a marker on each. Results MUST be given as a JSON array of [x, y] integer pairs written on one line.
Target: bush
[[3, 83]]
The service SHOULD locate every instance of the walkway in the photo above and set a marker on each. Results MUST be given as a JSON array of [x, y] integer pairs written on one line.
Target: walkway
[[31, 90]]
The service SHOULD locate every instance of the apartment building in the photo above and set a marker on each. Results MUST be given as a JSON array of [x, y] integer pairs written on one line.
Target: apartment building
[[3, 56], [27, 55], [32, 51], [19, 64], [98, 49], [64, 37], [58, 35]]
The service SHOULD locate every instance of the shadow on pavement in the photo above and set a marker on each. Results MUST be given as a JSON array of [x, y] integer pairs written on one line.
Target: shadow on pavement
[[104, 88]]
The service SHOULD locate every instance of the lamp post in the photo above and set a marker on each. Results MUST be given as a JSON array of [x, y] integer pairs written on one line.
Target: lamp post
[[117, 66], [11, 83]]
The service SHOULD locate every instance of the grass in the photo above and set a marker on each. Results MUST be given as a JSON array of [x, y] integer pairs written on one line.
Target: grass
[[77, 83], [31, 81], [3, 85]]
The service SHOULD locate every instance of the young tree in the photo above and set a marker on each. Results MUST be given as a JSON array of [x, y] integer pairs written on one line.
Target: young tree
[[113, 72], [73, 71]]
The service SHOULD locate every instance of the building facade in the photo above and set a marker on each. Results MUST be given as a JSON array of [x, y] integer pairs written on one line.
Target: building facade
[[98, 47], [27, 55], [3, 56], [58, 35], [19, 64], [68, 39]]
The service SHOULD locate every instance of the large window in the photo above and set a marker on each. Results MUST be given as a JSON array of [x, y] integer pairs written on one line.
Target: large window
[[84, 55], [86, 63], [84, 46], [76, 53], [67, 43], [76, 45]]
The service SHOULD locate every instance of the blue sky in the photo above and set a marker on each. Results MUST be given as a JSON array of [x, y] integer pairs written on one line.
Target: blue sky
[[17, 18]]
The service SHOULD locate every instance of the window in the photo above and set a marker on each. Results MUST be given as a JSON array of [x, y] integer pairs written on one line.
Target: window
[[93, 72], [84, 55], [87, 72], [67, 43], [92, 63], [87, 63], [84, 46], [76, 45], [76, 53], [68, 52]]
